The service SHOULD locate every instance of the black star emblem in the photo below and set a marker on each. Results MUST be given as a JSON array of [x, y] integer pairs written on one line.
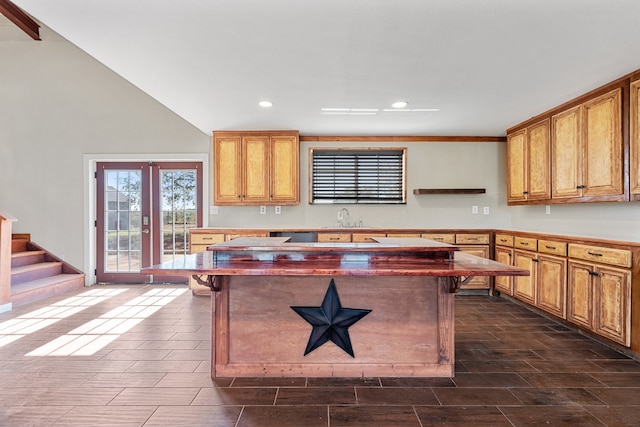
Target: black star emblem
[[330, 321]]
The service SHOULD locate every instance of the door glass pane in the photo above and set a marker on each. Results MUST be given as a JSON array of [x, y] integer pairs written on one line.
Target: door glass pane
[[178, 195], [122, 195]]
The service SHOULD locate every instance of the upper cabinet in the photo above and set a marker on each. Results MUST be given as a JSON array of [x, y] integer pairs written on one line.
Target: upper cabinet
[[256, 168], [634, 149], [574, 153], [528, 166], [587, 149]]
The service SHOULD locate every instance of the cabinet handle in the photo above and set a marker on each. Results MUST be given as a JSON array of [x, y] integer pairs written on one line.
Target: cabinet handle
[[524, 243], [503, 240], [334, 238], [549, 247], [594, 254], [580, 187], [207, 238], [525, 192], [472, 238], [535, 260], [594, 273]]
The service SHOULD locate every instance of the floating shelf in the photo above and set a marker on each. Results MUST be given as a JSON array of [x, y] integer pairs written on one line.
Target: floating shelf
[[449, 190]]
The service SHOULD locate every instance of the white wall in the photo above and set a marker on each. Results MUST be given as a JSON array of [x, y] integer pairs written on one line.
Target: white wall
[[56, 105], [59, 106]]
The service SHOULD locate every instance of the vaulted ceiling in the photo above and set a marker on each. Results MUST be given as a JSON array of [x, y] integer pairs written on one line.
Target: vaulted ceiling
[[332, 67]]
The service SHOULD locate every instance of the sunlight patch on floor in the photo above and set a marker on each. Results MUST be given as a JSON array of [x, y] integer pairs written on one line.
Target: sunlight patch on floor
[[14, 329], [94, 335]]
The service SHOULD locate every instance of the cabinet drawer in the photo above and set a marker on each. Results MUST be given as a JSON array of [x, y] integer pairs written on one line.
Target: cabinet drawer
[[552, 247], [243, 235], [198, 248], [440, 237], [504, 240], [619, 257], [525, 243], [472, 239], [403, 235], [363, 238], [206, 238], [334, 237]]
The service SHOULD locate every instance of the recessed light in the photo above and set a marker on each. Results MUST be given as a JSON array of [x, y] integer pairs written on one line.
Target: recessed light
[[400, 104], [265, 104]]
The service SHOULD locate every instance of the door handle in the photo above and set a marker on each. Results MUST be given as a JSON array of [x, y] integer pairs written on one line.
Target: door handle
[[146, 230]]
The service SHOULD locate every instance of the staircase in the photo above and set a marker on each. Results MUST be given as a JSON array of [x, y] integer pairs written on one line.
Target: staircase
[[37, 274]]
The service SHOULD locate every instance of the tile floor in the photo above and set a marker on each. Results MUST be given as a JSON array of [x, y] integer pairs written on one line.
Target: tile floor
[[147, 364]]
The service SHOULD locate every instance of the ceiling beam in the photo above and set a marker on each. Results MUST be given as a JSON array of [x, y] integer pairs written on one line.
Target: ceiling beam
[[21, 19]]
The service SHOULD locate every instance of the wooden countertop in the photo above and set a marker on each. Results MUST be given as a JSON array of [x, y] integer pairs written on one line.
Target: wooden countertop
[[389, 257]]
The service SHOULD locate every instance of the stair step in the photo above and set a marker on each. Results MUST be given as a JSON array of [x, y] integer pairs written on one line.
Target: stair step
[[27, 273], [38, 289], [27, 257], [18, 245]]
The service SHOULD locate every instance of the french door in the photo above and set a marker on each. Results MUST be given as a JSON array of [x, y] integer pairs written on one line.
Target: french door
[[144, 213]]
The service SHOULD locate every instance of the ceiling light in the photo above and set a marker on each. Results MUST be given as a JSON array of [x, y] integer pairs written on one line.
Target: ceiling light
[[400, 104], [265, 104]]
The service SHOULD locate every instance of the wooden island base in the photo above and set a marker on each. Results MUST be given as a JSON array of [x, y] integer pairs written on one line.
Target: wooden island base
[[409, 331], [382, 309]]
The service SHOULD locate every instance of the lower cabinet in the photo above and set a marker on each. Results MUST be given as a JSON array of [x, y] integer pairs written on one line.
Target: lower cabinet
[[524, 287], [477, 282], [199, 240], [504, 284], [546, 286], [599, 299], [551, 284]]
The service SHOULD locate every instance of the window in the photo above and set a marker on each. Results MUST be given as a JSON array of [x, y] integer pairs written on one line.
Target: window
[[357, 175]]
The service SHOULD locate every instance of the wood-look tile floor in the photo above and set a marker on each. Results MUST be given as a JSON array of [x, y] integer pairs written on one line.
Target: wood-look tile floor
[[513, 368]]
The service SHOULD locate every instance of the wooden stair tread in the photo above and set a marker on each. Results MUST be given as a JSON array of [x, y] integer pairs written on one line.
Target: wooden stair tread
[[27, 253], [46, 281], [35, 267]]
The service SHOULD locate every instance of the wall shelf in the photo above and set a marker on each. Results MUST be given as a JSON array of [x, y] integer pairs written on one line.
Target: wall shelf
[[418, 191]]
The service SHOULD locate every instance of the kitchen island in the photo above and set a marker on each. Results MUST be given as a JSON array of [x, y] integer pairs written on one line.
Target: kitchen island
[[382, 309]]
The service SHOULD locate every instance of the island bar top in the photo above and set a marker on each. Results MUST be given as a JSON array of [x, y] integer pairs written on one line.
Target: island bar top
[[271, 299], [273, 256]]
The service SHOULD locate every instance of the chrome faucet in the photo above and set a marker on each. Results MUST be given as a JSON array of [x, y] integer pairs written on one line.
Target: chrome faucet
[[345, 217]]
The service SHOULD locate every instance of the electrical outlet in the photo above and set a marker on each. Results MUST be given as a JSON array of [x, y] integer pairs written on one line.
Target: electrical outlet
[[474, 210], [278, 210], [263, 210], [485, 210], [547, 210], [213, 210]]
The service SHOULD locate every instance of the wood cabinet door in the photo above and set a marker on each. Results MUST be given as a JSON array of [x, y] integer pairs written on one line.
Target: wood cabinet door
[[612, 304], [504, 283], [284, 170], [635, 138], [516, 160], [566, 175], [227, 170], [538, 184], [478, 282], [255, 151], [602, 145], [524, 287], [552, 285], [580, 294]]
